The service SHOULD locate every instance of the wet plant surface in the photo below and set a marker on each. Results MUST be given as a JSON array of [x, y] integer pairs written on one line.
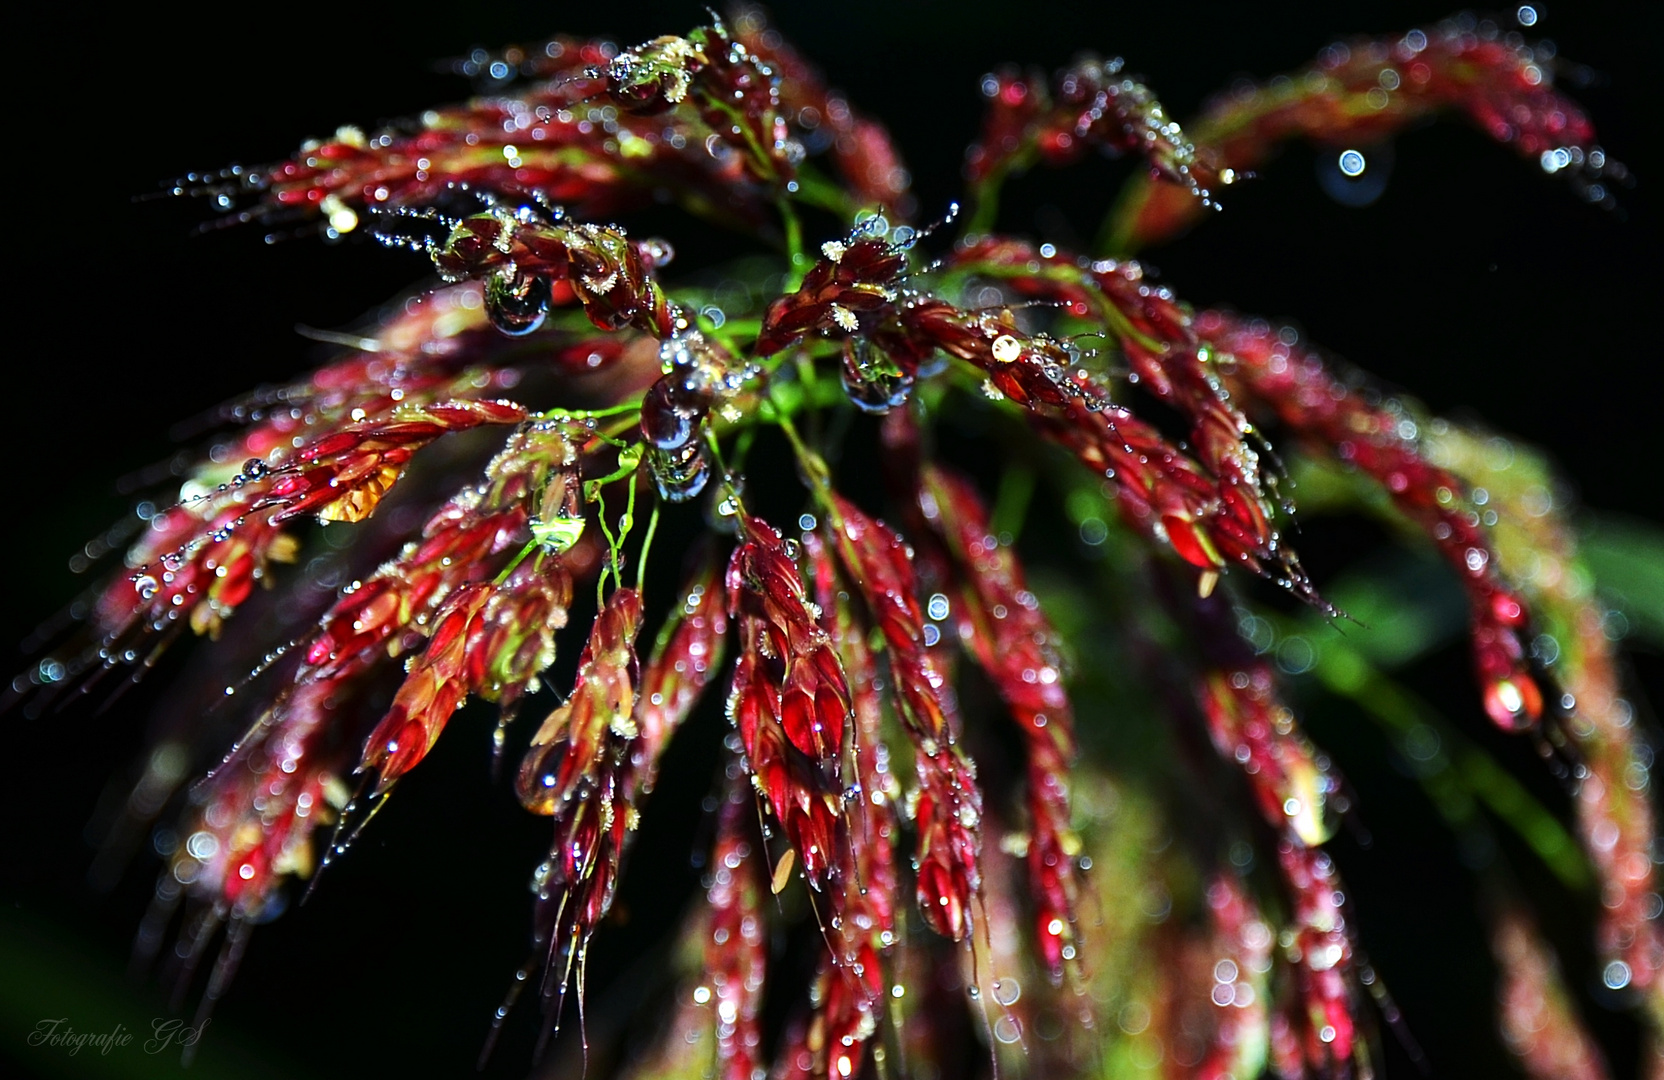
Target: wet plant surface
[[972, 600]]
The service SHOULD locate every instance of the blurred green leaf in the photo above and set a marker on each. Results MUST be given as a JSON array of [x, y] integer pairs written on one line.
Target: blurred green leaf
[[1627, 559], [1397, 610]]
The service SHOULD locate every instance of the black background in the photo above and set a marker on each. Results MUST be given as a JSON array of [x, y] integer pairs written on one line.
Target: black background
[[1477, 283]]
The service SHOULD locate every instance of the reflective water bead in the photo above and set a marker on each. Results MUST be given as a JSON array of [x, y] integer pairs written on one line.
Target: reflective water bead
[[873, 383], [516, 303]]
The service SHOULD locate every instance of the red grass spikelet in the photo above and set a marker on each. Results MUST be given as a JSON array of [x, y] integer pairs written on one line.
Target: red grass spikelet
[[767, 593], [736, 952], [852, 284], [458, 545], [1214, 511], [1090, 105], [1000, 623], [734, 93], [431, 692], [948, 809], [252, 820], [874, 819], [209, 550], [490, 639], [567, 750], [789, 700], [1538, 552], [1539, 1024], [1361, 92], [1290, 779], [176, 571], [1240, 956], [1616, 818], [564, 148], [521, 258], [376, 618], [1325, 1026], [517, 627], [859, 925], [1168, 358], [1278, 373], [343, 476], [686, 659]]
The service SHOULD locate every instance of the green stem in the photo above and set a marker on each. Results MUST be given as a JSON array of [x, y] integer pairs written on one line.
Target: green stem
[[794, 245], [715, 446], [592, 414], [814, 468], [984, 197], [612, 548], [1011, 502], [647, 545], [624, 529], [817, 190], [519, 558]]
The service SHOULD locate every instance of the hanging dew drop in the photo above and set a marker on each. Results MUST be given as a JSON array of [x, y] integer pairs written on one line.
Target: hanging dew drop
[[557, 534], [516, 303], [873, 383], [679, 475], [665, 423]]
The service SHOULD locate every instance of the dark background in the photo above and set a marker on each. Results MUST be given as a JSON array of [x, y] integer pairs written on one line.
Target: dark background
[[1476, 282]]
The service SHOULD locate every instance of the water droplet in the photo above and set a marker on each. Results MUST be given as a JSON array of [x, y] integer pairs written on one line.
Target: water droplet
[[1006, 348], [1515, 703], [1354, 176], [658, 252], [557, 534], [679, 475], [871, 380], [1007, 991], [516, 303], [664, 423], [254, 468]]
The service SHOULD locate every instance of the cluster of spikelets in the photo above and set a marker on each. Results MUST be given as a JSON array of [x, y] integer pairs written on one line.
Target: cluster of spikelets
[[847, 763]]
